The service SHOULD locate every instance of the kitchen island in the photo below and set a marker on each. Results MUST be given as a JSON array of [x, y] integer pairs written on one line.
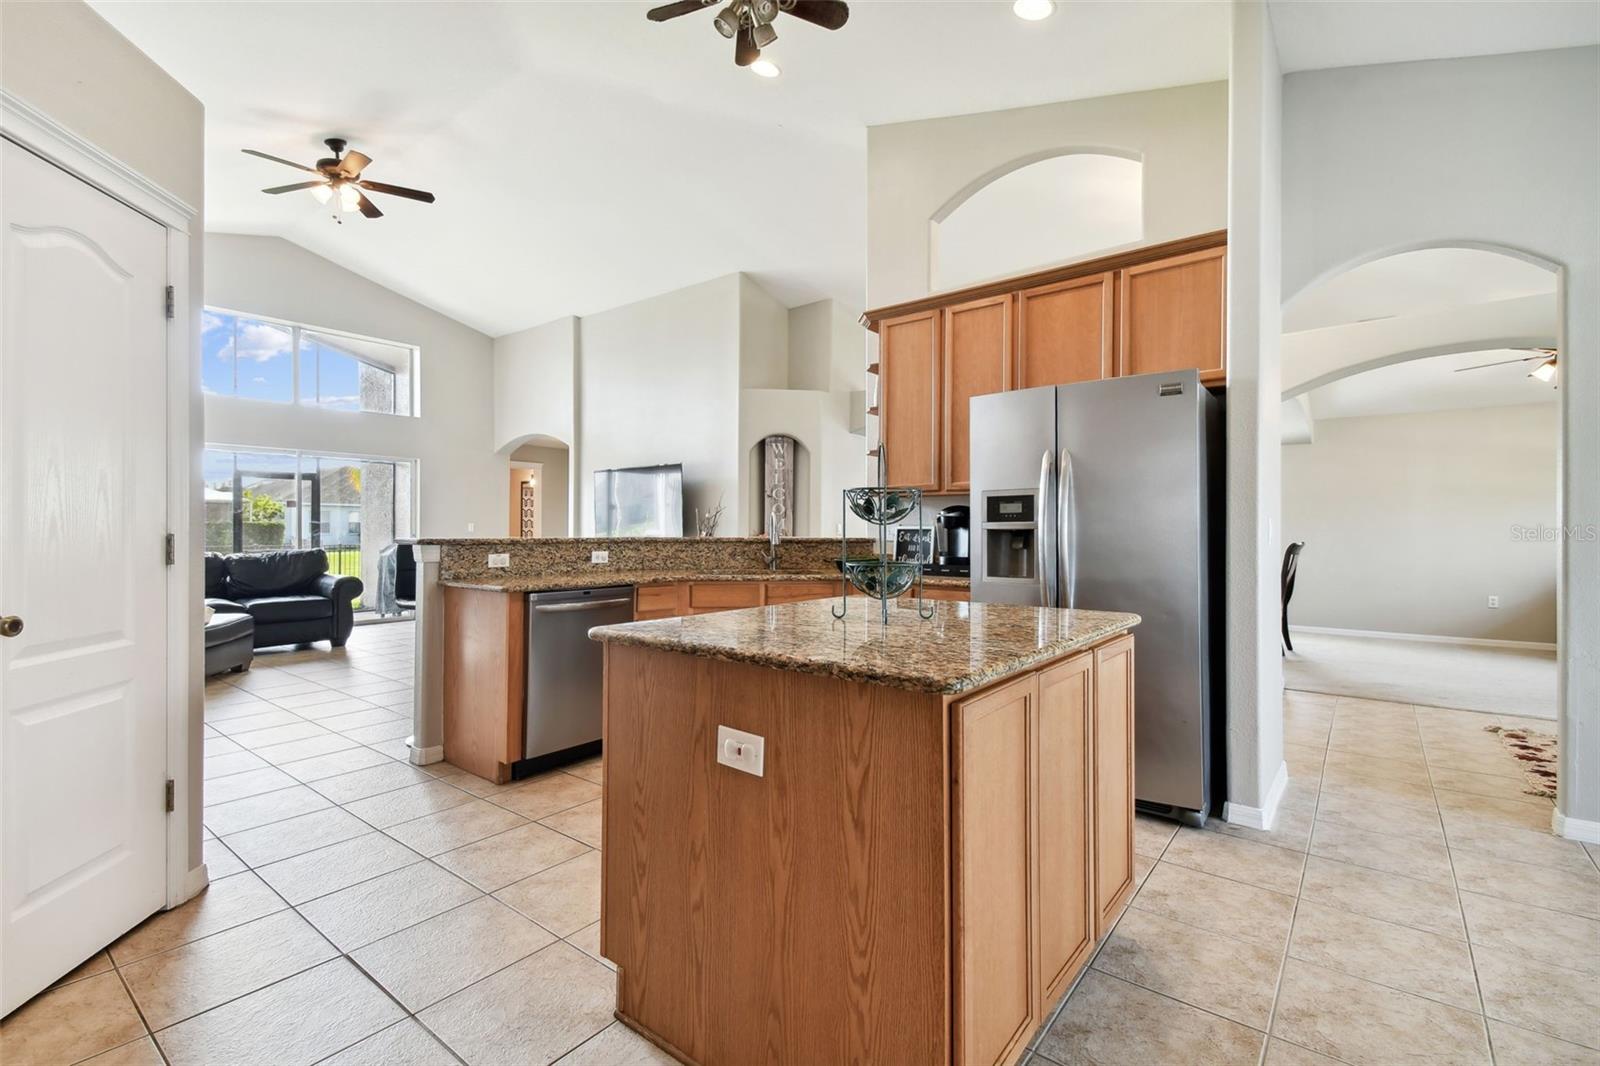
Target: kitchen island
[[905, 854]]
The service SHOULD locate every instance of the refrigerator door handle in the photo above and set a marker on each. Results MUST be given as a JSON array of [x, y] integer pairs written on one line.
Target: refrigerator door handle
[[1047, 590], [1064, 528]]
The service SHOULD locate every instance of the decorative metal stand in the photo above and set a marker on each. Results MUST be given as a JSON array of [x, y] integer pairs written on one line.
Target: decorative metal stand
[[881, 578]]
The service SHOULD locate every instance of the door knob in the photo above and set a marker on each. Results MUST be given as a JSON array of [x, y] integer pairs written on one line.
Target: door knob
[[10, 626]]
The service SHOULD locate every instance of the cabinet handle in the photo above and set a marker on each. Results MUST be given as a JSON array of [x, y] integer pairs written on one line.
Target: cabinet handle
[[1064, 529], [1042, 554]]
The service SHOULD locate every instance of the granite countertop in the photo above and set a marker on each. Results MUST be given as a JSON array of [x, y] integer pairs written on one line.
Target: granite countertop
[[603, 578], [962, 647]]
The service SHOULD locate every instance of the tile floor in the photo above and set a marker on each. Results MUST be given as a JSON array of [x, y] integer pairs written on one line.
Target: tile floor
[[1411, 906]]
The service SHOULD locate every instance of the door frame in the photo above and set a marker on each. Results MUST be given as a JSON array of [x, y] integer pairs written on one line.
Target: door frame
[[35, 131]]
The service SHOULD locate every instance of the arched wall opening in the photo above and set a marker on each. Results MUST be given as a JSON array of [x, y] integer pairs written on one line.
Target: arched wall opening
[[1037, 211], [539, 501]]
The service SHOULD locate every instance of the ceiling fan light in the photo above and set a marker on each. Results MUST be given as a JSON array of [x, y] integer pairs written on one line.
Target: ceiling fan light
[[349, 198], [764, 34], [323, 193], [766, 68], [727, 20], [1033, 10], [1545, 371]]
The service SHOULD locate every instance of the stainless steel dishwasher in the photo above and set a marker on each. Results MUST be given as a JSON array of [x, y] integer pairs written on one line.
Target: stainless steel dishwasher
[[565, 667]]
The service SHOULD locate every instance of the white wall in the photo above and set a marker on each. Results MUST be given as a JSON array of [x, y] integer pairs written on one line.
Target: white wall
[[1410, 523], [763, 338], [1501, 150], [461, 480], [535, 372]]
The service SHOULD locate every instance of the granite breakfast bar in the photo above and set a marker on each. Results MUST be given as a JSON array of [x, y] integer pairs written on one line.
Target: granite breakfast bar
[[906, 852]]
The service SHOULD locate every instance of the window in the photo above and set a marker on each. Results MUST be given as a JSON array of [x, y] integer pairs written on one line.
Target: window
[[279, 362]]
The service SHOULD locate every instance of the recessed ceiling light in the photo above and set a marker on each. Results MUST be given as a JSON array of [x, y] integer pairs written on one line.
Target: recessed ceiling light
[[768, 69], [1034, 10]]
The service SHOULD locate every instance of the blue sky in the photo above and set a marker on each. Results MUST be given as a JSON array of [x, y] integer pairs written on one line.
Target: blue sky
[[245, 357]]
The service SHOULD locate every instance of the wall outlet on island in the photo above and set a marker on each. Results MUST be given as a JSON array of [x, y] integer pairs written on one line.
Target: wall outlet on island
[[599, 557], [742, 751], [499, 560], [1494, 603]]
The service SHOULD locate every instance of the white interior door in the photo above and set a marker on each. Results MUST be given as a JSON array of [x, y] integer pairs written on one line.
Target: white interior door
[[83, 503]]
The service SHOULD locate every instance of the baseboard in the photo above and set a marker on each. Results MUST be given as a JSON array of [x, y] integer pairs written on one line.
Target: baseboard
[[1424, 638], [1265, 816], [1575, 828], [427, 756]]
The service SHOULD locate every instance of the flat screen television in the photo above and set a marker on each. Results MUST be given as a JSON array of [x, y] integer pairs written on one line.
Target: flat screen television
[[639, 501]]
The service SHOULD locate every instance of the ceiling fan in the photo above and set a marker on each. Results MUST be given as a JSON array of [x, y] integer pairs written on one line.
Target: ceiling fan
[[341, 175], [1549, 361], [749, 22]]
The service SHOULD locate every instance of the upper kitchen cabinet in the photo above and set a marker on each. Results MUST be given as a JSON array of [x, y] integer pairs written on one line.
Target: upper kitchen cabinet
[[977, 361], [1066, 331], [1172, 316], [908, 398]]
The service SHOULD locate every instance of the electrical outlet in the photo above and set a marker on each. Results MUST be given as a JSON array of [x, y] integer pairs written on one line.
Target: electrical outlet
[[1494, 603], [745, 752], [599, 557], [472, 527], [499, 560]]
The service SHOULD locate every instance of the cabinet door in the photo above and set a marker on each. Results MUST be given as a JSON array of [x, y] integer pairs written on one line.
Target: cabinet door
[[795, 591], [1113, 780], [1064, 332], [908, 400], [708, 596], [996, 993], [977, 361], [1065, 803], [1172, 316]]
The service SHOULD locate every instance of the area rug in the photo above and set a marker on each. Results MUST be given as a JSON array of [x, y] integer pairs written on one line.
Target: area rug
[[1537, 754]]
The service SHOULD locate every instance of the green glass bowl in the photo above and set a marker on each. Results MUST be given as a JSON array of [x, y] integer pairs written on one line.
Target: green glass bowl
[[882, 506], [882, 579]]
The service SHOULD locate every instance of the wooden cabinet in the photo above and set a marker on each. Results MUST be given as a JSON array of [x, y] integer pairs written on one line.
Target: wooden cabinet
[[1172, 316], [946, 592], [976, 362], [908, 397], [1113, 780], [1067, 930], [708, 596], [484, 656], [658, 601], [1066, 331], [795, 591]]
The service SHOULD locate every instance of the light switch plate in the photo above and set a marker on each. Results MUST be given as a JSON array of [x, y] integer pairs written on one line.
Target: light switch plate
[[742, 751], [499, 560], [599, 557]]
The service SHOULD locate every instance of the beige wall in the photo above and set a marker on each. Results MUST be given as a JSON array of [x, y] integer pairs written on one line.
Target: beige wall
[[1410, 523], [552, 491]]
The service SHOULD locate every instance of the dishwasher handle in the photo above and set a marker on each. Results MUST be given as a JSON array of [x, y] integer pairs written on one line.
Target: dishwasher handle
[[582, 605]]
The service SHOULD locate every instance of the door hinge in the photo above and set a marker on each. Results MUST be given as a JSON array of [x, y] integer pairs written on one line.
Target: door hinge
[[172, 795], [172, 550], [172, 304]]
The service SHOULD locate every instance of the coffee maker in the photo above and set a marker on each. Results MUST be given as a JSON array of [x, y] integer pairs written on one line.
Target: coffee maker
[[952, 540]]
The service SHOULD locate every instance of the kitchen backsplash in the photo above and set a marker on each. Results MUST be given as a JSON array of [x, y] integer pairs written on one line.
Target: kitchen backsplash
[[468, 559]]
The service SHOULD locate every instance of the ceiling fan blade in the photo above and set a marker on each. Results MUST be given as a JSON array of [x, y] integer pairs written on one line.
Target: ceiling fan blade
[[368, 208], [397, 190], [745, 51], [1502, 362], [829, 14], [296, 187], [276, 159], [353, 164], [672, 11]]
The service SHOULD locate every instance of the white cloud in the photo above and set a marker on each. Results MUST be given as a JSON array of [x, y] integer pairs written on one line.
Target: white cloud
[[261, 342], [210, 322]]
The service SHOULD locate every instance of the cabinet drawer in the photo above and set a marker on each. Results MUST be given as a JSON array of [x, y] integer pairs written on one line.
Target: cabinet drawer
[[724, 595], [655, 601], [945, 592], [793, 591]]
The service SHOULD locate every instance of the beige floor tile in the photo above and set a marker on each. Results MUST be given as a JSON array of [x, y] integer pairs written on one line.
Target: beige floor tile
[[616, 1045], [494, 862], [1262, 865], [373, 781], [398, 749], [236, 816], [404, 804], [1573, 891], [1412, 771], [217, 744], [99, 962], [349, 862], [1506, 788], [563, 899], [368, 715], [371, 910], [1142, 866], [1307, 735], [589, 769], [333, 764], [1513, 843], [1416, 791], [1481, 762], [454, 828], [472, 783], [1109, 1021], [235, 726], [327, 714], [140, 1052], [1283, 1053], [1232, 908], [552, 793], [308, 697], [405, 1043], [297, 1021], [246, 784], [1391, 817], [436, 958], [1499, 811], [1152, 835], [225, 763], [1426, 964], [587, 940], [279, 735], [581, 823], [1396, 744], [543, 1006], [1515, 1046], [1553, 937], [280, 840], [187, 980], [371, 734], [70, 1023], [1228, 977], [222, 905], [1426, 905], [1408, 856], [293, 750], [1304, 760], [1365, 1023], [1536, 995], [1292, 829], [220, 862]]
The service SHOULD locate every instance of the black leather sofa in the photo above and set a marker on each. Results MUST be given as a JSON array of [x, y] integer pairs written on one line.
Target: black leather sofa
[[290, 595]]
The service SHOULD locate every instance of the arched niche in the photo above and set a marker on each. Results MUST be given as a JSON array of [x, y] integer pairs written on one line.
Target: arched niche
[[1035, 212]]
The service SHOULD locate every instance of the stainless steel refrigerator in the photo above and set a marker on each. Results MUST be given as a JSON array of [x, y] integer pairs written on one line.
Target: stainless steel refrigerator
[[1100, 495]]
